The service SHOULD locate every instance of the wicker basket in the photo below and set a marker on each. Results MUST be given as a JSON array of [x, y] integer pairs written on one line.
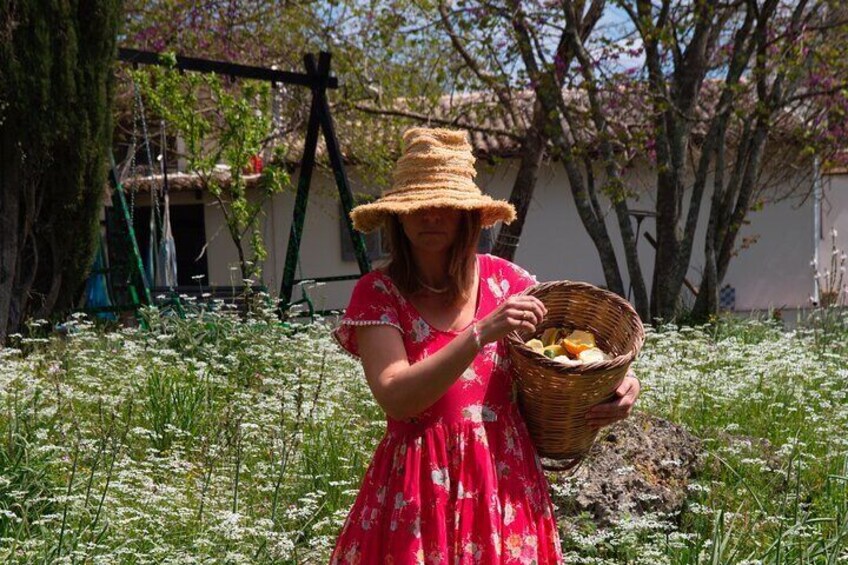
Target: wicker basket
[[554, 398]]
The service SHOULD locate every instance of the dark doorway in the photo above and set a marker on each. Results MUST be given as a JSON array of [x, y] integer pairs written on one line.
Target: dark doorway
[[189, 229]]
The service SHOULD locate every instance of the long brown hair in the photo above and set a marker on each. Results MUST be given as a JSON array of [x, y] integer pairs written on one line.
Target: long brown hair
[[401, 265]]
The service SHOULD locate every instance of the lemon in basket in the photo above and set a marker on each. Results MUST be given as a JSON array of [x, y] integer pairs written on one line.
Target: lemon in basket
[[536, 346], [552, 351], [576, 348]]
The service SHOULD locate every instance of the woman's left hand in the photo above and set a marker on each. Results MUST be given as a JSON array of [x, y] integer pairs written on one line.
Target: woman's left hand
[[619, 408]]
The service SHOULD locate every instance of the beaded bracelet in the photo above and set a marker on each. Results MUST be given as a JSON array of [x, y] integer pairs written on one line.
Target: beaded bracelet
[[475, 331]]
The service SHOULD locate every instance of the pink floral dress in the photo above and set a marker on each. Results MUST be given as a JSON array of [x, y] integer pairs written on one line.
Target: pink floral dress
[[461, 482]]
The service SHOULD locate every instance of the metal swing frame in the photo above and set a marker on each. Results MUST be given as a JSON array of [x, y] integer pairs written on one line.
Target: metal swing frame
[[317, 77], [137, 288]]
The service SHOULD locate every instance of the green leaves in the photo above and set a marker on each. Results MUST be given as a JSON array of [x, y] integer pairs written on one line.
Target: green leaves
[[229, 124]]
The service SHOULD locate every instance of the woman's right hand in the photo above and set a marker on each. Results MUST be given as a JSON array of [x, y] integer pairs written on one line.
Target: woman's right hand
[[518, 312]]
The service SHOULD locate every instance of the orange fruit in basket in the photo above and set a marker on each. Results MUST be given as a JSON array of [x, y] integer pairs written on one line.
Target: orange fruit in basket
[[578, 341]]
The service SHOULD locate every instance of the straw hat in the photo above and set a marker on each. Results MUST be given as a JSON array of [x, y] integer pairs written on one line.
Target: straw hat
[[435, 170]]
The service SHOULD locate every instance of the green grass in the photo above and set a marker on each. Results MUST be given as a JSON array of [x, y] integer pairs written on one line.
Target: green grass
[[220, 441]]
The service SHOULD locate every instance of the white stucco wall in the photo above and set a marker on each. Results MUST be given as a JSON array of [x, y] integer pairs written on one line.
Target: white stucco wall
[[320, 252], [834, 211], [774, 272]]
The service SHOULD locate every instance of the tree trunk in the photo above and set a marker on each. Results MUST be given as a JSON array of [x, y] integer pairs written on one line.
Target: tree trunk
[[743, 200], [614, 184], [533, 149], [664, 293], [707, 301], [51, 276], [592, 221], [22, 288], [10, 180], [631, 255]]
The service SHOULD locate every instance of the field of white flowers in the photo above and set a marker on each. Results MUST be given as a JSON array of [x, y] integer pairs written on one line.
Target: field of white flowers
[[214, 440]]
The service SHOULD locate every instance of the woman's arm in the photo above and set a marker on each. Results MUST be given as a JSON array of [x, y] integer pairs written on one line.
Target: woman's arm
[[405, 390]]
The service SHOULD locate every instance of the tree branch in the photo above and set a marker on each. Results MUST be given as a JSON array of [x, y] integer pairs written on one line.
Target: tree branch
[[424, 118], [549, 93], [473, 64]]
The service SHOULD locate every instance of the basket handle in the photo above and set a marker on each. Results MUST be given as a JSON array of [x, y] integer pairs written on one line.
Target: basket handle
[[571, 464]]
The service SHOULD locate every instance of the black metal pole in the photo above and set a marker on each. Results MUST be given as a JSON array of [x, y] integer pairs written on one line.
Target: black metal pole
[[337, 162], [224, 68], [307, 164]]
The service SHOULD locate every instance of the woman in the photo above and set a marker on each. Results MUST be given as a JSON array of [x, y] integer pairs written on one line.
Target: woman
[[456, 479]]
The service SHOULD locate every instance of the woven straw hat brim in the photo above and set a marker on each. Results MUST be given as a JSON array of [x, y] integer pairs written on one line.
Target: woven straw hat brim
[[368, 217], [435, 170]]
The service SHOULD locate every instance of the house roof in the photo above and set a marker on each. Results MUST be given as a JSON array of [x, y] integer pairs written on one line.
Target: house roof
[[184, 181], [497, 132], [838, 165], [836, 170]]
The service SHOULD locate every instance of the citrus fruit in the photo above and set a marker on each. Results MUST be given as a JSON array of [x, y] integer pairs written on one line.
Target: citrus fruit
[[578, 341]]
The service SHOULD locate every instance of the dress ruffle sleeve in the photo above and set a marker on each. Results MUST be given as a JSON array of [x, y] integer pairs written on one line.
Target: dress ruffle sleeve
[[372, 303]]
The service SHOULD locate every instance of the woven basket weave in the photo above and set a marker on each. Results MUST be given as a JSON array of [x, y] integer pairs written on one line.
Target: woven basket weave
[[554, 398]]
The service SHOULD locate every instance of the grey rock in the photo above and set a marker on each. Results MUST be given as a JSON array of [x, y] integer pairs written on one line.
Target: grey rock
[[637, 466]]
